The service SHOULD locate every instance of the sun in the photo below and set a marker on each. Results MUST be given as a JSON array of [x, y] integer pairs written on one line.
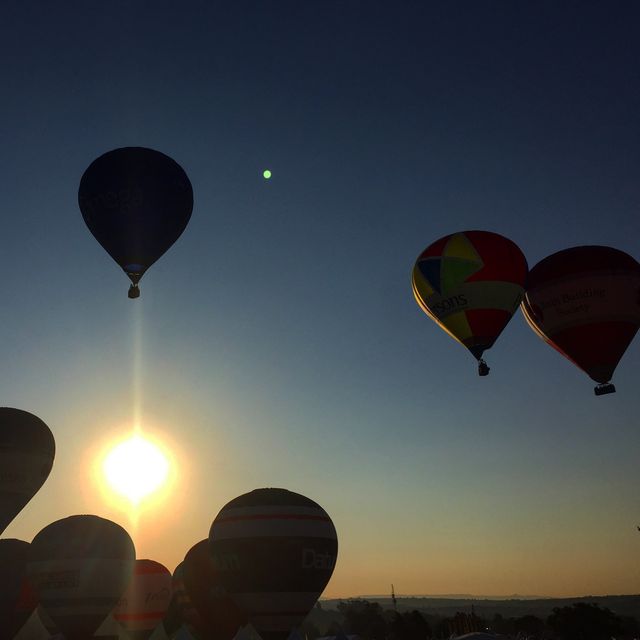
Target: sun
[[136, 468]]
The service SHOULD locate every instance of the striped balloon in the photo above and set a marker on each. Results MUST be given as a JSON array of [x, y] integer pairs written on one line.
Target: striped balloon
[[276, 551], [27, 449], [145, 602], [219, 617], [79, 568], [17, 600]]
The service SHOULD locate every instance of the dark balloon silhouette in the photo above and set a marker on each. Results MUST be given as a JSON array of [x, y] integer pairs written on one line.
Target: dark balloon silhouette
[[27, 450], [79, 568], [585, 303], [219, 616], [181, 610], [136, 202], [144, 604], [17, 599], [275, 551], [471, 283]]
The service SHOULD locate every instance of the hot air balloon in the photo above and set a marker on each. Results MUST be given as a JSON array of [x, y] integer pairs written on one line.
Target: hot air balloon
[[275, 551], [219, 616], [17, 600], [27, 449], [181, 611], [136, 202], [471, 283], [585, 303], [79, 567], [145, 602]]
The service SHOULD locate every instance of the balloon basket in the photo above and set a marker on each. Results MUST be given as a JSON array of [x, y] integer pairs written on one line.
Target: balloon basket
[[483, 368], [604, 389], [134, 292]]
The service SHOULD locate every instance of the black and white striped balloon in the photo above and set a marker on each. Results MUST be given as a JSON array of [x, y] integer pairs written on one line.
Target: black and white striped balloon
[[79, 567], [275, 551]]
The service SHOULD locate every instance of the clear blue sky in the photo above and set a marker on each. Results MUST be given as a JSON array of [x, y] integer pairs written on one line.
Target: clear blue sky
[[280, 343]]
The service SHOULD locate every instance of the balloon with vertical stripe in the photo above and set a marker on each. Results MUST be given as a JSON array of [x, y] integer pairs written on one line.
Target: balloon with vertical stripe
[[79, 567], [585, 303], [470, 283], [219, 615], [275, 551], [17, 600], [144, 604], [27, 450]]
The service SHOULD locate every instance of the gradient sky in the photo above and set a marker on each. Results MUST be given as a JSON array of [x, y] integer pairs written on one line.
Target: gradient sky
[[278, 342]]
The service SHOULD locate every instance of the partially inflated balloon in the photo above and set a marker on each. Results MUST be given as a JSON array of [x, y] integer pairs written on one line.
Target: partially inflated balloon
[[276, 551], [136, 202], [220, 617], [585, 303], [80, 567], [17, 600], [27, 450], [471, 283], [145, 602]]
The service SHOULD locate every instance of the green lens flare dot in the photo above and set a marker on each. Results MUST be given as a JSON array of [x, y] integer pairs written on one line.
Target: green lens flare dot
[[266, 174]]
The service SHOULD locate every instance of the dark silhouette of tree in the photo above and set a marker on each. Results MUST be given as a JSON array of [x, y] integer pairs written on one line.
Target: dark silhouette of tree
[[583, 621], [364, 619], [409, 626]]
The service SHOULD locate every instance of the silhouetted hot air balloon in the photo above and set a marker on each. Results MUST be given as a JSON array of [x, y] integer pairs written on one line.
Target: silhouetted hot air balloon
[[471, 283], [585, 303], [80, 567], [275, 551], [144, 604], [219, 616], [181, 610], [136, 202], [27, 450], [17, 600]]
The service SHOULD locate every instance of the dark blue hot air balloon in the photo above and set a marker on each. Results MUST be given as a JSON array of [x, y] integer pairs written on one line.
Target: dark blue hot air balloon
[[136, 203]]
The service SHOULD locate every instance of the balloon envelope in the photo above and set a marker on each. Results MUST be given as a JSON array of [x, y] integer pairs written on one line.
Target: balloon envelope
[[219, 616], [585, 303], [136, 202], [79, 568], [27, 450], [276, 551], [470, 283], [144, 604], [17, 600]]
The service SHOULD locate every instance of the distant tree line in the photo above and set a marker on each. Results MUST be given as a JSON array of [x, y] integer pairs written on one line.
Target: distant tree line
[[369, 621]]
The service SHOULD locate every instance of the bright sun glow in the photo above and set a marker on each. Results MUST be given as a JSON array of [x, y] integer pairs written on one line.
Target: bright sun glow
[[136, 468]]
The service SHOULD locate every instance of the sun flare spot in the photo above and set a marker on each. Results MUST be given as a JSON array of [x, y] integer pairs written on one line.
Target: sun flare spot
[[136, 468]]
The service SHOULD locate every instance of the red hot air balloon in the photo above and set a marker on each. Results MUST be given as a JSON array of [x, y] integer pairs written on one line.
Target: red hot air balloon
[[27, 450], [17, 600], [585, 303], [136, 203], [145, 602], [471, 283], [80, 567], [275, 551], [219, 616]]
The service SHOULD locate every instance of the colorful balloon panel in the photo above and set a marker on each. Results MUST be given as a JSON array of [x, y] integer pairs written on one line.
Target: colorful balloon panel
[[470, 283], [144, 604], [79, 567], [27, 450], [276, 551], [585, 303], [136, 203]]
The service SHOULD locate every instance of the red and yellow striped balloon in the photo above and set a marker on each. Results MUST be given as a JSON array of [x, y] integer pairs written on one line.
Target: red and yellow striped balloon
[[145, 602], [471, 283], [275, 551]]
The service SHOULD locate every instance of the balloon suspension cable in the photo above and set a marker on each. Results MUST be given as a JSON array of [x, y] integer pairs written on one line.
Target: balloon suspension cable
[[483, 368], [134, 292], [604, 388]]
